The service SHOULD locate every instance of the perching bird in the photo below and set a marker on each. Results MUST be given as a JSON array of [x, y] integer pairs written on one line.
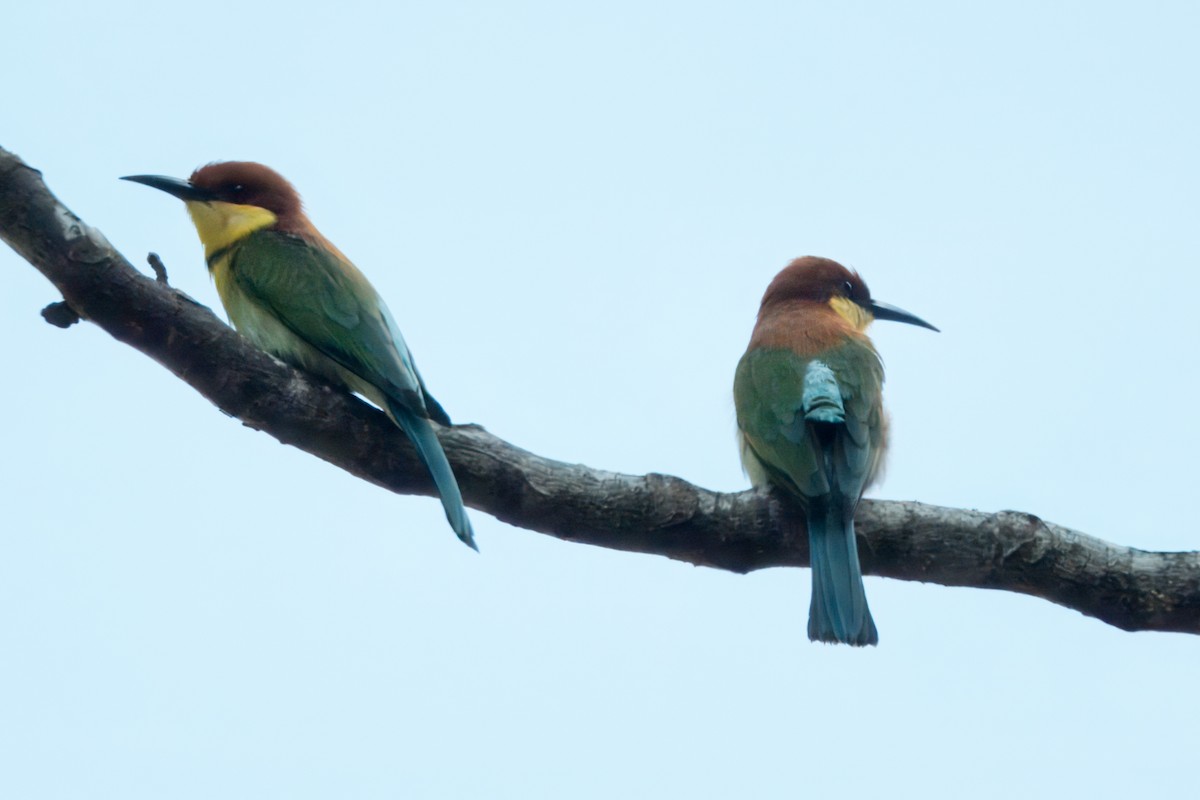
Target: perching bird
[[292, 293], [809, 401]]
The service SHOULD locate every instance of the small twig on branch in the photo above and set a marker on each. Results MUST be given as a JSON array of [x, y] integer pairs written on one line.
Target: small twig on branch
[[1131, 589], [160, 269]]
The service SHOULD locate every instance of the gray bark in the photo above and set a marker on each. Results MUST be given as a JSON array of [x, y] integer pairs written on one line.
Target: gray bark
[[1128, 588]]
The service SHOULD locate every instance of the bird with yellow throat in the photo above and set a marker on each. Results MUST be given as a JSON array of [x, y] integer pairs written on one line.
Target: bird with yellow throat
[[809, 400], [287, 289]]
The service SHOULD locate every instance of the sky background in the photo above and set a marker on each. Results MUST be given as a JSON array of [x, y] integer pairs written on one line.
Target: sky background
[[573, 212]]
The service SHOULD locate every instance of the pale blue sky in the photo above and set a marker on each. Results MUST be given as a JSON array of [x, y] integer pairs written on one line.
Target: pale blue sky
[[573, 213]]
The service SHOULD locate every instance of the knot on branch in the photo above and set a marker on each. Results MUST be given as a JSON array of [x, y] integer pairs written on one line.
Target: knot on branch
[[60, 314]]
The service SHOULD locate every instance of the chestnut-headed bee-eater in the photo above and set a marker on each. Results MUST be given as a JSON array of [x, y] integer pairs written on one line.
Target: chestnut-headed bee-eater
[[810, 417], [291, 292]]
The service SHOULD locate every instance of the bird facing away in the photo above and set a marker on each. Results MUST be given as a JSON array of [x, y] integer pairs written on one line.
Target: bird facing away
[[809, 401], [292, 293]]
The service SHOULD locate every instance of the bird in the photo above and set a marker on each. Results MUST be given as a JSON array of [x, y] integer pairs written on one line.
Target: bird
[[809, 405], [291, 292]]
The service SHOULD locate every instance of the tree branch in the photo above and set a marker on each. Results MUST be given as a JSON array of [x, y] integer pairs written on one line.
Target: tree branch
[[1131, 589]]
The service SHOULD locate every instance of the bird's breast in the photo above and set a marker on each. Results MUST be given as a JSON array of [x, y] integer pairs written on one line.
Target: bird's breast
[[262, 326]]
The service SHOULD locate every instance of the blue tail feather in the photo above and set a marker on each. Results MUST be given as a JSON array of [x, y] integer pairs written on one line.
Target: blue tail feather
[[420, 432], [838, 612]]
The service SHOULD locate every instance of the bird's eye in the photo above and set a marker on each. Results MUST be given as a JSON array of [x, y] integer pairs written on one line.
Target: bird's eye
[[848, 287], [238, 188]]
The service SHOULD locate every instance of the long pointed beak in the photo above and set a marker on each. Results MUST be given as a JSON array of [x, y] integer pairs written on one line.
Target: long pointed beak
[[172, 186], [884, 311]]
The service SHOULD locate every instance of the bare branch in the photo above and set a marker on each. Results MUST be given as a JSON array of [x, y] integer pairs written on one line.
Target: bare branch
[[660, 514]]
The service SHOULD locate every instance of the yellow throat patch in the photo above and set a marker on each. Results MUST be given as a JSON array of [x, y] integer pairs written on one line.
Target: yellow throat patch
[[852, 312], [221, 224]]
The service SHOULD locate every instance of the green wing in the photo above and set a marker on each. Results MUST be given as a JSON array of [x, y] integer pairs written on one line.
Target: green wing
[[331, 306], [814, 423]]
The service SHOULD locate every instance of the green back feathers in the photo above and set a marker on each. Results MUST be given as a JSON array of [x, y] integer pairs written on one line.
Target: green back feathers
[[327, 303], [802, 445]]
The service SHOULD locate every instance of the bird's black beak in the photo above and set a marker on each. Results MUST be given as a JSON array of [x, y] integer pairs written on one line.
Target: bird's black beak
[[173, 186], [884, 311]]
